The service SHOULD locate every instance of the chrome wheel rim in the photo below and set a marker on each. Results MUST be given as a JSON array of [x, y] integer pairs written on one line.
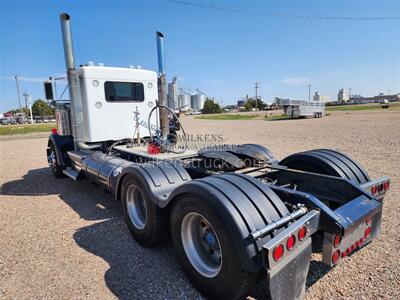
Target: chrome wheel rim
[[53, 160], [136, 207], [201, 244]]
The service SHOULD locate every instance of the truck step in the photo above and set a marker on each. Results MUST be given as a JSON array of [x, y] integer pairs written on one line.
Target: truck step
[[71, 173], [76, 158]]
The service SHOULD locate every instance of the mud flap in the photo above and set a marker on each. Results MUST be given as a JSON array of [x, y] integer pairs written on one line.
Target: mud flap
[[287, 281]]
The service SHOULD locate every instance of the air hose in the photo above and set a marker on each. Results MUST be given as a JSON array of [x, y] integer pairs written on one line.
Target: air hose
[[161, 143]]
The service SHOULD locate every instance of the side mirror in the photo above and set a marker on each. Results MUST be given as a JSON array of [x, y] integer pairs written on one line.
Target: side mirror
[[48, 89]]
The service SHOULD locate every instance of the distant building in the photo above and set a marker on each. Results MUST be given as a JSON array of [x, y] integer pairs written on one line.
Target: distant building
[[376, 99], [343, 95], [240, 103], [321, 98]]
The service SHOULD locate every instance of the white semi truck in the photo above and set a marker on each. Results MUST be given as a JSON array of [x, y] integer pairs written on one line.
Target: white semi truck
[[235, 215]]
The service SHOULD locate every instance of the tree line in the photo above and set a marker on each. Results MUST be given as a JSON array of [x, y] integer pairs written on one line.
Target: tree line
[[212, 107], [39, 108]]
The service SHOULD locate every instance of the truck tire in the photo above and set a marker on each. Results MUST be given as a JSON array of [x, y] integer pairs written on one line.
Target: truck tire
[[207, 252], [327, 162], [147, 223], [56, 169]]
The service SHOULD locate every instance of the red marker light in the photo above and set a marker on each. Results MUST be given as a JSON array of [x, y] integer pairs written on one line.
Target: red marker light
[[367, 232], [54, 130], [278, 252], [335, 256], [291, 241], [386, 185], [374, 190], [336, 241], [302, 233]]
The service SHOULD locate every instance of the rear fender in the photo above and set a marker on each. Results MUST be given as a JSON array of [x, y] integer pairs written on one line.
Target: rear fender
[[228, 215], [62, 144], [158, 179], [244, 205]]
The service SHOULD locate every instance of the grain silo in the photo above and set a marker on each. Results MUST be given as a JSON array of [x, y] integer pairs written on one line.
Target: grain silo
[[198, 98], [172, 95], [184, 101]]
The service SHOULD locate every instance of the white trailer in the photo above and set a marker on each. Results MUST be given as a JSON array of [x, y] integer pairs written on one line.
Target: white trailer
[[303, 108]]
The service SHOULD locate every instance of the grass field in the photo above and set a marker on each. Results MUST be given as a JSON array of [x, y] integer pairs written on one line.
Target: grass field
[[242, 117], [277, 117], [226, 117], [28, 128], [392, 106]]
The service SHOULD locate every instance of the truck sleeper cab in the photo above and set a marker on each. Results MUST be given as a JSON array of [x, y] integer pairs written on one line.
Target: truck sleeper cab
[[111, 98]]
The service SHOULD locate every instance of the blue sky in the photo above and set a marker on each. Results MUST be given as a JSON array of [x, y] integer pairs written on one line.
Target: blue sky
[[221, 53]]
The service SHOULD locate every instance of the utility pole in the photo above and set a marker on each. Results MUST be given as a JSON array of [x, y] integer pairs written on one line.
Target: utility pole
[[28, 100], [19, 98], [256, 87], [309, 91]]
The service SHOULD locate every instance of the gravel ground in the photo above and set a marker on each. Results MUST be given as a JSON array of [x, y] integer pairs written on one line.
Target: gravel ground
[[65, 240]]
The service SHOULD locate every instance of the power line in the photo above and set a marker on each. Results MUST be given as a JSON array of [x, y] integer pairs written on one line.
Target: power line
[[261, 13]]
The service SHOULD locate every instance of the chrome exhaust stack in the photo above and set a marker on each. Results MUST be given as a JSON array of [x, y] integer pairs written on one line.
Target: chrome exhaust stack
[[73, 81], [162, 86]]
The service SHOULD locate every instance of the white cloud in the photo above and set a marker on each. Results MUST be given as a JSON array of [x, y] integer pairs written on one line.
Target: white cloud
[[296, 80]]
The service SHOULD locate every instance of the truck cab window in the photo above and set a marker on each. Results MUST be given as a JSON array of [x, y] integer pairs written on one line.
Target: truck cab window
[[123, 91]]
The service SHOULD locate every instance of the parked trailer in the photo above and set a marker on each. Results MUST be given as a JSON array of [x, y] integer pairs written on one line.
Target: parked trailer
[[235, 216], [302, 108]]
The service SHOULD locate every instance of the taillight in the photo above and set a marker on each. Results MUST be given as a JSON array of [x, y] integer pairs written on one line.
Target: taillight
[[290, 242], [336, 241], [335, 256], [54, 130], [278, 252], [367, 232], [302, 233], [386, 185], [374, 189]]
